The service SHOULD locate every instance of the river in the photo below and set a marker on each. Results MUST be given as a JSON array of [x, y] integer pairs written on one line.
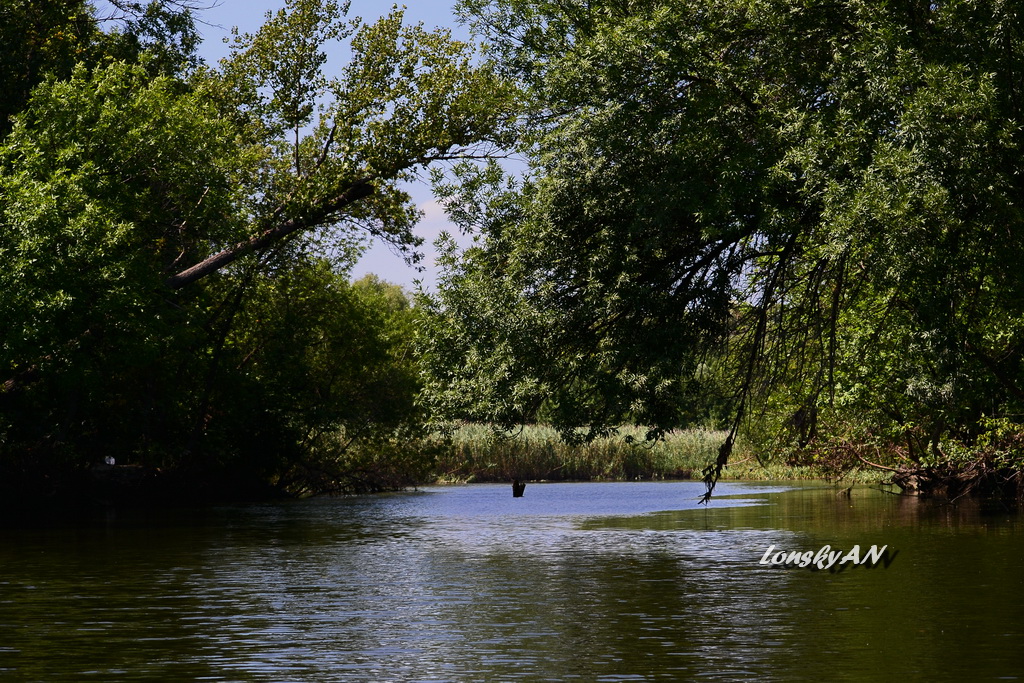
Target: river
[[588, 582]]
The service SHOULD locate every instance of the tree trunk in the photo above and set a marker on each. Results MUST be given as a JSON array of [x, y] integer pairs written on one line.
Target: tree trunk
[[357, 191]]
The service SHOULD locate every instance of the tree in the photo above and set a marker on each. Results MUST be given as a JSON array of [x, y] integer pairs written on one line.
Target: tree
[[147, 210], [38, 39], [819, 196], [314, 373]]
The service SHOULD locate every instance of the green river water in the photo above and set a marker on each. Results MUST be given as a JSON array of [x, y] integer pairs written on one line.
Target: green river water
[[588, 582]]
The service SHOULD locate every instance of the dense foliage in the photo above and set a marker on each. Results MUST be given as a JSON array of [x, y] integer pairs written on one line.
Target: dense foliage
[[165, 229], [794, 217], [806, 210]]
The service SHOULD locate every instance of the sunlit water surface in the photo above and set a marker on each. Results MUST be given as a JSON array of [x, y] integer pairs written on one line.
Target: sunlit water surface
[[590, 582]]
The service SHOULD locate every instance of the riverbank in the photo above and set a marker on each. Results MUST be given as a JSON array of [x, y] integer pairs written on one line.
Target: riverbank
[[472, 453], [478, 453]]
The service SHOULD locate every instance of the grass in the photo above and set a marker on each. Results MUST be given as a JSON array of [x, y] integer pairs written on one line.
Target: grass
[[478, 453]]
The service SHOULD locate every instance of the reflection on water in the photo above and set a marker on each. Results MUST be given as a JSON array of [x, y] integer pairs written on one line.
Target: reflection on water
[[572, 582]]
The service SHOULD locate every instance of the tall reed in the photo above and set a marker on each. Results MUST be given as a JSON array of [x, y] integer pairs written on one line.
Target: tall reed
[[476, 452]]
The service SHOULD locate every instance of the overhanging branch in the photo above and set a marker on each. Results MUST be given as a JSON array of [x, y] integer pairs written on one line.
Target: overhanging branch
[[357, 191]]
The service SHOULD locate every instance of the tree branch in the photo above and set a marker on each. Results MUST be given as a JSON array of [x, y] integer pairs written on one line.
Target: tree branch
[[358, 190]]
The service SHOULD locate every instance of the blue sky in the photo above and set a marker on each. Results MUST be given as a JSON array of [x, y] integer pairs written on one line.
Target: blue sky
[[247, 15]]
